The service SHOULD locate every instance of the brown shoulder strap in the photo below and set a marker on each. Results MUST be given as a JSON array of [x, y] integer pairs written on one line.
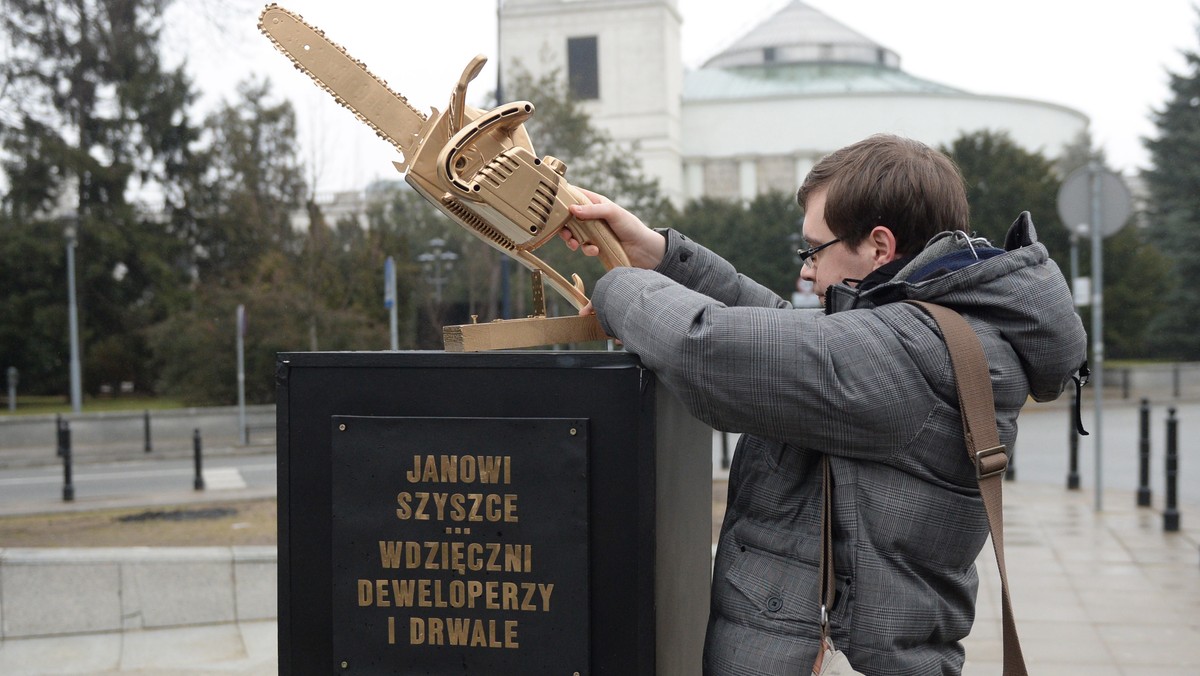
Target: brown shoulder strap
[[987, 454]]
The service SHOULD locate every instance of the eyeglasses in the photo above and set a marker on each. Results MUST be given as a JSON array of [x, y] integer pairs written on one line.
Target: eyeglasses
[[808, 257]]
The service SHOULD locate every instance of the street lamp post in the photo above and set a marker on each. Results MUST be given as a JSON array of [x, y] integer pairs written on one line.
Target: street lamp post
[[73, 319], [436, 263]]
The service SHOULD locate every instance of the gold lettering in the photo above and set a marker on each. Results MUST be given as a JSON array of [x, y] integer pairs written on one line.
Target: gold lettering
[[439, 501], [512, 558], [381, 594], [423, 596], [438, 601], [431, 559], [423, 500], [403, 591], [450, 468], [479, 637], [492, 601], [457, 512], [435, 631], [458, 629], [527, 602], [412, 554], [405, 501], [458, 593], [474, 556], [391, 630], [509, 590], [430, 473], [493, 554], [492, 507], [486, 469], [456, 558], [464, 632], [546, 590], [389, 553], [490, 468], [475, 499], [510, 634], [510, 508], [364, 593]]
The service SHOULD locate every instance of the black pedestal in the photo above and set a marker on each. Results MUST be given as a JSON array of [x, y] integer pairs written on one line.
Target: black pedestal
[[489, 513]]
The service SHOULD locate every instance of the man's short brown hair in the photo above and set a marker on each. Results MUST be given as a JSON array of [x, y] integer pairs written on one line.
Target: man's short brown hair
[[901, 184]]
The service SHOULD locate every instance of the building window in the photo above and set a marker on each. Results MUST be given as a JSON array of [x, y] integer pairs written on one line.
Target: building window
[[768, 55], [583, 70]]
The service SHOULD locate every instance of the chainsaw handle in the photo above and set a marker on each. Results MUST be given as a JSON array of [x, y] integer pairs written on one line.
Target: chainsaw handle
[[612, 254], [503, 119]]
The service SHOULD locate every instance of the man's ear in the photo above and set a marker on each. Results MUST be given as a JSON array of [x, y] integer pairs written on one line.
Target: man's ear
[[882, 244]]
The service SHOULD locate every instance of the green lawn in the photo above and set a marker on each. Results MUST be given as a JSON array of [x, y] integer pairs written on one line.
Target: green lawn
[[32, 405]]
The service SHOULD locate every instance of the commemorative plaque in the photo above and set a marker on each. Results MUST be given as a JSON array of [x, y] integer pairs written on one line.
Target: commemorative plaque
[[460, 541]]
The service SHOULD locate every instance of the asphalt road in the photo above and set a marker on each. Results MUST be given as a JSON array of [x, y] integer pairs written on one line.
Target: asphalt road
[[23, 490]]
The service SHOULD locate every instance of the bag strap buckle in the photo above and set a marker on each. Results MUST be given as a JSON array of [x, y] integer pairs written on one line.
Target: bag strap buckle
[[990, 462]]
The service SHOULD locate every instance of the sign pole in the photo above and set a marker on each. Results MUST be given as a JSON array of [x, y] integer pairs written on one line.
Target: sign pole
[[1097, 328], [389, 298], [241, 373]]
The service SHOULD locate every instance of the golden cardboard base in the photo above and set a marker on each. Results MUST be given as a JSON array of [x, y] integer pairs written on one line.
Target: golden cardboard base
[[508, 334]]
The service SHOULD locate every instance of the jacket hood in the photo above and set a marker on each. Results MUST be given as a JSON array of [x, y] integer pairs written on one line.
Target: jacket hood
[[1018, 289]]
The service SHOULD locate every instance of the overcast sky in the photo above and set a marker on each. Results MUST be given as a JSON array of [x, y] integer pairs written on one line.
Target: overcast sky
[[1110, 64]]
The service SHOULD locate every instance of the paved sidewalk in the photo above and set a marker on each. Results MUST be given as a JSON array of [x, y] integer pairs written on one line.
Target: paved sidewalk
[[1096, 594]]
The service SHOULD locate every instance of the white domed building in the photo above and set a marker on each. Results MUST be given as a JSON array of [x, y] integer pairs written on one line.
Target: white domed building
[[755, 117]]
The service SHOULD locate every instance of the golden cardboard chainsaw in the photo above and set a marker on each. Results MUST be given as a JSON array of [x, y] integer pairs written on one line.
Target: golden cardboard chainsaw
[[478, 167]]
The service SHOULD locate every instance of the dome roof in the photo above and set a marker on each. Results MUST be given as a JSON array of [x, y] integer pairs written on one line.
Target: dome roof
[[804, 79], [800, 51], [800, 34]]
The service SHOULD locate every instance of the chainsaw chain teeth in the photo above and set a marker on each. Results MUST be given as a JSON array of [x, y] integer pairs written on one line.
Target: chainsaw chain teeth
[[322, 85]]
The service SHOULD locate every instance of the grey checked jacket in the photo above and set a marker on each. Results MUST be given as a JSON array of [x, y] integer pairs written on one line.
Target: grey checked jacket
[[871, 386]]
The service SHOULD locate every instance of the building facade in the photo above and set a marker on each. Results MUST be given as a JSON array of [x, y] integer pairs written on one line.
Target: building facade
[[756, 116]]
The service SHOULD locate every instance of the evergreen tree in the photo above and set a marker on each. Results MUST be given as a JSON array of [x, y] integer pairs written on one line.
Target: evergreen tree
[[759, 238], [1174, 210], [91, 118], [240, 208], [1002, 180]]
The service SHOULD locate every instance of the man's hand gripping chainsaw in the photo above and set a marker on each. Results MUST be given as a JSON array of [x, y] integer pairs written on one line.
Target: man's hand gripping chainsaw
[[478, 167]]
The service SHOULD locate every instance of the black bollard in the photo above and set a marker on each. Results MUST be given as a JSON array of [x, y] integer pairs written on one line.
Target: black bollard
[[1143, 491], [58, 434], [65, 441], [146, 431], [1073, 445], [724, 450], [1171, 513], [198, 484]]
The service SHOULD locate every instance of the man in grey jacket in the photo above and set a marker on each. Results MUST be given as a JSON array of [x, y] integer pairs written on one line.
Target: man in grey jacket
[[866, 381]]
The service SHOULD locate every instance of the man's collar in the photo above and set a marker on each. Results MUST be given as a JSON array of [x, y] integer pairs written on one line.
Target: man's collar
[[883, 274]]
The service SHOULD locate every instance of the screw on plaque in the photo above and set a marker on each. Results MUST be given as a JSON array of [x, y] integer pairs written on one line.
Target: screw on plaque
[[342, 427]]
